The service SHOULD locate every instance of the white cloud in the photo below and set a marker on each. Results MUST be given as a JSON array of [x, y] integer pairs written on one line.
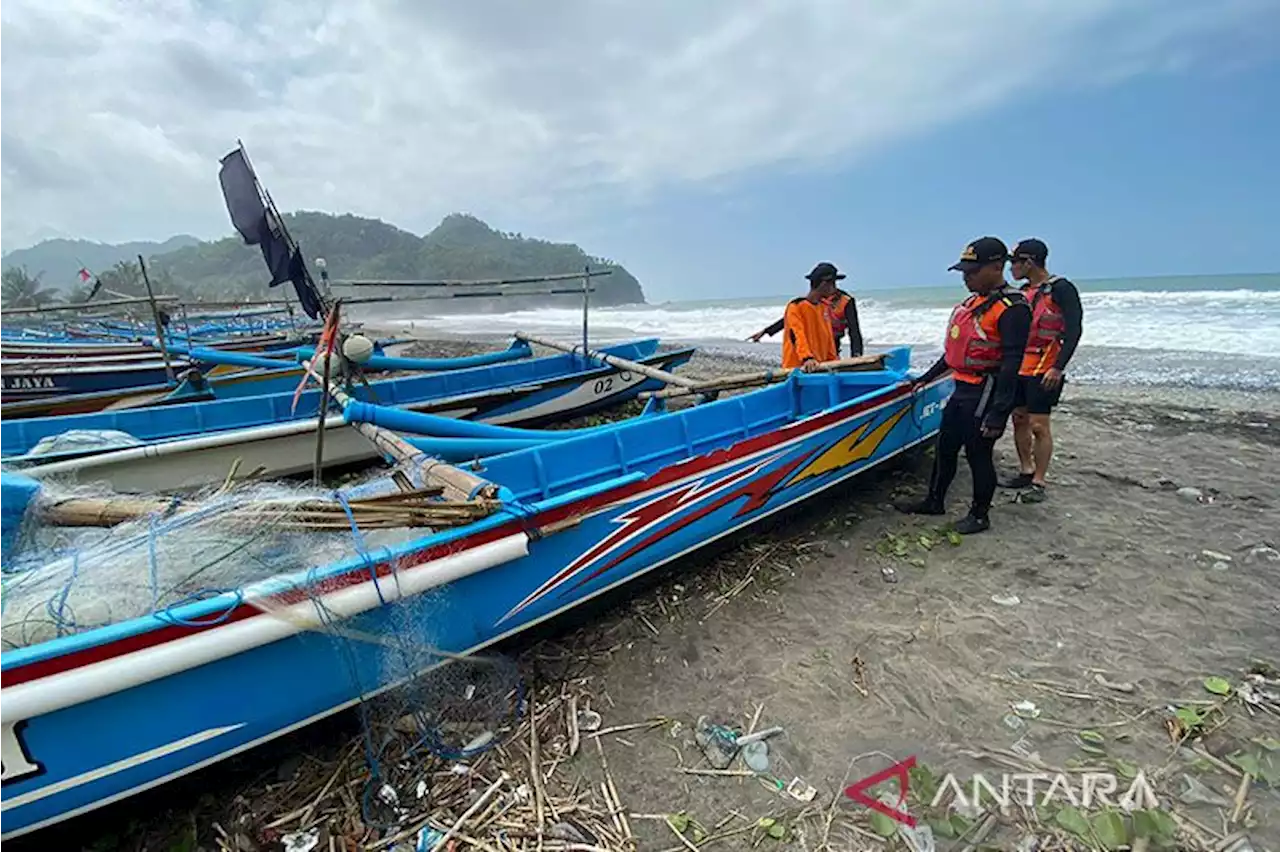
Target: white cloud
[[114, 114]]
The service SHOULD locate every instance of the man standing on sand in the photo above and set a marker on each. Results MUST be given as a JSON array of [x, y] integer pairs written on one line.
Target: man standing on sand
[[842, 312], [806, 330], [1057, 321], [986, 337]]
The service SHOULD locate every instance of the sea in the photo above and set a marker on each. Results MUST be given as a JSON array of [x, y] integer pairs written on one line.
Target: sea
[[1217, 331]]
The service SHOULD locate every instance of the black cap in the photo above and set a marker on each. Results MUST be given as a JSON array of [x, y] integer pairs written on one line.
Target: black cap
[[1032, 248], [823, 271], [980, 252]]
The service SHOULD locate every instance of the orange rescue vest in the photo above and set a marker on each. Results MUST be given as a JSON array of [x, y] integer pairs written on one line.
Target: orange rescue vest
[[1047, 326], [806, 334], [973, 349]]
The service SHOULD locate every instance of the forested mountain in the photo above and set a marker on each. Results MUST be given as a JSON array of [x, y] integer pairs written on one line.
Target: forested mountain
[[58, 262], [460, 247]]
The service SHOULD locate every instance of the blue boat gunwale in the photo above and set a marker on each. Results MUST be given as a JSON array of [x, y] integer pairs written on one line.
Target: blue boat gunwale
[[26, 432], [187, 613]]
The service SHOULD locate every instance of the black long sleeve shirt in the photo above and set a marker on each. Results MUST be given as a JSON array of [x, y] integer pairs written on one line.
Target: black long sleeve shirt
[[1014, 325], [1068, 299]]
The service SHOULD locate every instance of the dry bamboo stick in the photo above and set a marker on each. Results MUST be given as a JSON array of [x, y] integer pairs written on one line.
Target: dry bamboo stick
[[457, 483], [109, 512], [611, 360], [745, 380]]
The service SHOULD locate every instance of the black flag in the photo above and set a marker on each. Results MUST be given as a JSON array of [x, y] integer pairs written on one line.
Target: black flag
[[261, 226]]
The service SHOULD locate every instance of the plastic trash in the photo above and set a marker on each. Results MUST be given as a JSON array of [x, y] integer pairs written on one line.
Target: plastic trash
[[428, 838], [717, 742], [756, 756], [301, 841], [83, 440]]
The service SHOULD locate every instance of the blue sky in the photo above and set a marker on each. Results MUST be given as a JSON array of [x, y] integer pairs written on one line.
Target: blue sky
[[1167, 175], [715, 148]]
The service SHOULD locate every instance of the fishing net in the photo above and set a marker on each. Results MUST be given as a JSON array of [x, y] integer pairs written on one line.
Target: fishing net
[[66, 579], [423, 709]]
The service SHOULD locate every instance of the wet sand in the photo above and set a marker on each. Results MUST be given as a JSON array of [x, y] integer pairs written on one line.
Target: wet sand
[[869, 637]]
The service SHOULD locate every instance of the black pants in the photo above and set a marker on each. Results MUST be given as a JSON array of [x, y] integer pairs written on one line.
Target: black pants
[[962, 427]]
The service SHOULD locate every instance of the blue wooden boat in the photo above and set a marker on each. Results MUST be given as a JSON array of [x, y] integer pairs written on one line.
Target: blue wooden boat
[[248, 375], [31, 374], [190, 445], [94, 717]]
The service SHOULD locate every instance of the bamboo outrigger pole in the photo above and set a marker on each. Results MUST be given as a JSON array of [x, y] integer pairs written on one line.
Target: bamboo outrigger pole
[[79, 306], [155, 315], [611, 360], [474, 282], [456, 483], [474, 294], [765, 377]]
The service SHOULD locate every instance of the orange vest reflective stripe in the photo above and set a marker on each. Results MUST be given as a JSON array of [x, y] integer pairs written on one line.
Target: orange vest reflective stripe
[[834, 309], [973, 349], [1047, 326]]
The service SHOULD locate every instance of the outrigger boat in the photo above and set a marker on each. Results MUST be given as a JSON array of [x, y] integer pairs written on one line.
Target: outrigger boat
[[95, 716], [194, 444], [238, 374]]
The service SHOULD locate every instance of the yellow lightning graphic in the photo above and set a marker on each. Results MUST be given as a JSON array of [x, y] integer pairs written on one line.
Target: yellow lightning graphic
[[858, 445]]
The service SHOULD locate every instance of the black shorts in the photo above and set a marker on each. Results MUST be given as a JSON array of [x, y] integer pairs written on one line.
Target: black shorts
[[1032, 396]]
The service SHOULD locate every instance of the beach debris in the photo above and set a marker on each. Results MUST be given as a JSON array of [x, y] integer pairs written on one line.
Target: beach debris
[[888, 574], [801, 791], [589, 720], [1195, 792], [748, 739], [1006, 600], [1026, 709], [1118, 686], [1262, 553], [1215, 556], [301, 841], [1238, 842], [428, 837], [1013, 722], [756, 756], [1220, 566], [717, 742], [1258, 689], [1189, 494]]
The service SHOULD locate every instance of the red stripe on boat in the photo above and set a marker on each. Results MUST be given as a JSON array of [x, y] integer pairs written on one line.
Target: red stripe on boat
[[689, 467]]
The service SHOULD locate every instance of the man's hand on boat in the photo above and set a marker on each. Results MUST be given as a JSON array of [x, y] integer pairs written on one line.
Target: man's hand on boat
[[810, 365]]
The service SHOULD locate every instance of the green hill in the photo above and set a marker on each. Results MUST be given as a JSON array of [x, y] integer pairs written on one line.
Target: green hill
[[58, 262], [460, 247]]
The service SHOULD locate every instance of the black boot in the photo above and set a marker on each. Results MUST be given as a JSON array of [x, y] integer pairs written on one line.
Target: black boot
[[971, 524], [927, 506]]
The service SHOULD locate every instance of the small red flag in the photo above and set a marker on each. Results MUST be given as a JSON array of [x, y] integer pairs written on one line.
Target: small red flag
[[85, 274]]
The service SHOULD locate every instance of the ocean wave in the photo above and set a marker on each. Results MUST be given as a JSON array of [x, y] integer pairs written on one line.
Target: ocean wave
[[1245, 322]]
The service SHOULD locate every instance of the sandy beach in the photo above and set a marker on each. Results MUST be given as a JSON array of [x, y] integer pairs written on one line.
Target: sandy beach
[[1064, 639]]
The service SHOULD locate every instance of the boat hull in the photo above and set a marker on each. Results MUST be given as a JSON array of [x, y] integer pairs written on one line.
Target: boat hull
[[166, 702], [289, 448]]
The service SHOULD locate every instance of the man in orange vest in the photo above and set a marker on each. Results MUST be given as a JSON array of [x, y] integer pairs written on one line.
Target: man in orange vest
[[842, 311], [806, 327], [986, 336], [1057, 321]]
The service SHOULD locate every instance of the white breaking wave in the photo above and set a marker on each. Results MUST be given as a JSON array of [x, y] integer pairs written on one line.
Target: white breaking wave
[[1245, 322]]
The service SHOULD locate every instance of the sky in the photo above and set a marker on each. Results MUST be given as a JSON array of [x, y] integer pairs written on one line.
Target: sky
[[717, 148]]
